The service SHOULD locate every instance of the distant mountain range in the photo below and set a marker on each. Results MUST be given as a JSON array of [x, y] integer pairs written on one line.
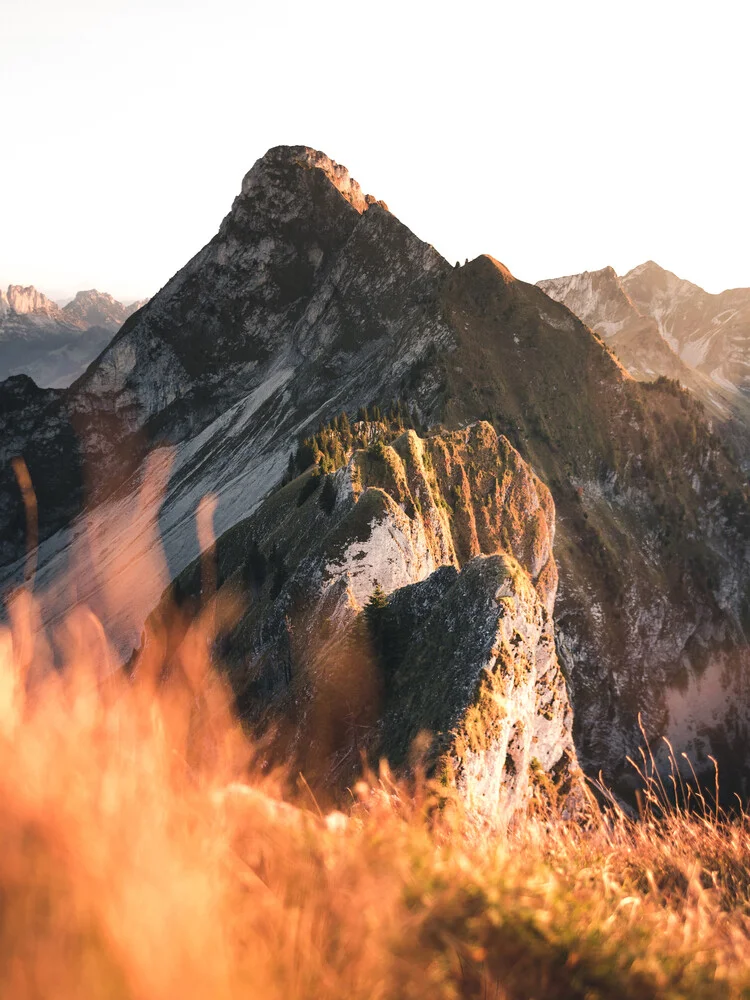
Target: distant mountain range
[[405, 459], [659, 324], [51, 344]]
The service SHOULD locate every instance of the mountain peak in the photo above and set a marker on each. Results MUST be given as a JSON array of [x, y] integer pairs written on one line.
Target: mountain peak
[[26, 299], [90, 295], [92, 308], [607, 273], [306, 306], [649, 279], [487, 266], [53, 344], [285, 158], [596, 297], [649, 268]]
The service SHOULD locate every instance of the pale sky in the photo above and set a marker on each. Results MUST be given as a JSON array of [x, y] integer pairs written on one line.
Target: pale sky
[[558, 136]]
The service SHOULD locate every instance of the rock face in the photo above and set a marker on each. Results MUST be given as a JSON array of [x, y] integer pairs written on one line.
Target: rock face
[[660, 325], [28, 302], [305, 269], [53, 345], [455, 662], [34, 423], [313, 301]]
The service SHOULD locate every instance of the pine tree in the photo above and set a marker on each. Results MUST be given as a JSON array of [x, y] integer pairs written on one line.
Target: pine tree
[[378, 600]]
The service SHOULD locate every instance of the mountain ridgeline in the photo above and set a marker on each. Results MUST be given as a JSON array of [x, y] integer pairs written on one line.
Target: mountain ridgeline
[[51, 344], [403, 570]]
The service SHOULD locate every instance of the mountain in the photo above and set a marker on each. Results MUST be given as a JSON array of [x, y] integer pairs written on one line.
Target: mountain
[[599, 299], [312, 304], [711, 333], [94, 308], [53, 345], [29, 302], [659, 325]]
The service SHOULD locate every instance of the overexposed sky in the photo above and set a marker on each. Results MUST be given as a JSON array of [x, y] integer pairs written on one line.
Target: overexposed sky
[[557, 136]]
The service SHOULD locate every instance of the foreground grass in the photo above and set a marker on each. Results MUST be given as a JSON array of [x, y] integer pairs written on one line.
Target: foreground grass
[[141, 859]]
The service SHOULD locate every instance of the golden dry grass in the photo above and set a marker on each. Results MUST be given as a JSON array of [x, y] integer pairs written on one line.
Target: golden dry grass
[[144, 856]]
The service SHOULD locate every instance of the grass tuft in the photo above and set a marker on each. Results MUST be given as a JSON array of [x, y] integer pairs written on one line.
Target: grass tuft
[[147, 854]]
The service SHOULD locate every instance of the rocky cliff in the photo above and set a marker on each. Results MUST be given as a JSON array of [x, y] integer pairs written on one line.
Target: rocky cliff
[[313, 301], [403, 605], [28, 302], [599, 299]]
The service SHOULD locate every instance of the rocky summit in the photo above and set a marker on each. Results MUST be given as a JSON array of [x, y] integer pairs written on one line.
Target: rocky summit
[[405, 459]]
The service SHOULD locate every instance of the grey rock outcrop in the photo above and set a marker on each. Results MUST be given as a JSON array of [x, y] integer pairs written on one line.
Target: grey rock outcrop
[[455, 663]]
